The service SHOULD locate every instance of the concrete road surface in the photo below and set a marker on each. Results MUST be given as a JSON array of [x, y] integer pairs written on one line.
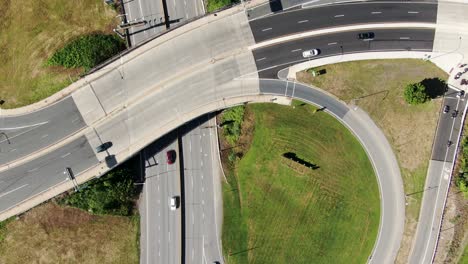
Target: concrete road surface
[[161, 235], [437, 180], [203, 198], [152, 11]]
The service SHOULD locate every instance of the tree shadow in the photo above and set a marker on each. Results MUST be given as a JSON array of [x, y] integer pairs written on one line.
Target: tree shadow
[[435, 87]]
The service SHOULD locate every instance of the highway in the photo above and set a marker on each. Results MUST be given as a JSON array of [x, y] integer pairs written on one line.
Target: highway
[[300, 20], [152, 11], [271, 59], [161, 228], [203, 195]]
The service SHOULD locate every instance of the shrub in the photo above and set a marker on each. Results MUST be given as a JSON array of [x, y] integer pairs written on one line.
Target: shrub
[[87, 51], [232, 123], [214, 5], [415, 93], [113, 193]]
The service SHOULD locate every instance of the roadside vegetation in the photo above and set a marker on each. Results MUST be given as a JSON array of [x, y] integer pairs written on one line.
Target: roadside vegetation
[[461, 179], [98, 224], [213, 5], [277, 208], [87, 51], [32, 31], [377, 86]]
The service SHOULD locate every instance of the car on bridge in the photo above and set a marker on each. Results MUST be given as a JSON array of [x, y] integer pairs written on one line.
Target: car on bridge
[[366, 36]]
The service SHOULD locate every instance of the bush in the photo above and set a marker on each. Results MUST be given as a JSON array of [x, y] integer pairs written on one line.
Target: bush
[[113, 193], [416, 93], [232, 123], [461, 180], [87, 51], [213, 5]]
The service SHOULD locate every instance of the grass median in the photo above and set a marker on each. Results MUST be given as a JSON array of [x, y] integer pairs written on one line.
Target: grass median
[[377, 87], [31, 32], [278, 209]]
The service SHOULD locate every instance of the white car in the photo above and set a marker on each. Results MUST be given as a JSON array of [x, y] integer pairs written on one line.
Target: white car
[[174, 203], [310, 53]]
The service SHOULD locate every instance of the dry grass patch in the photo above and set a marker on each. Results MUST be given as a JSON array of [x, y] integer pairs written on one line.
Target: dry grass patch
[[31, 32], [377, 87], [53, 234]]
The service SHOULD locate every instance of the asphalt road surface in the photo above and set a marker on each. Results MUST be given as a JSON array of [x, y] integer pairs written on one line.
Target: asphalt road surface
[[152, 12], [30, 179], [437, 182], [301, 20], [25, 134], [271, 59], [202, 192], [381, 155], [161, 235]]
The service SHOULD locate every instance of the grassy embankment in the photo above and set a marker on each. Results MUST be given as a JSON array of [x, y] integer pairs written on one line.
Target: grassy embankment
[[377, 87], [104, 230], [277, 210], [31, 32]]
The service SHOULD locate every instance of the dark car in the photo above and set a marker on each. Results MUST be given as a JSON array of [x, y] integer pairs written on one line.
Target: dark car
[[454, 113], [449, 143], [461, 93], [446, 109], [366, 35], [458, 75], [104, 146], [171, 156], [464, 82]]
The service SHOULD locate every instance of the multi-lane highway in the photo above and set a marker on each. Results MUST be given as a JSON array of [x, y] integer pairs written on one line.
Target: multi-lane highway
[[159, 15], [202, 192], [301, 20], [271, 59], [161, 235]]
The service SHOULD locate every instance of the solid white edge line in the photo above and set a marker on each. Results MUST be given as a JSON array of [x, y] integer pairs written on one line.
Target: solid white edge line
[[312, 33]]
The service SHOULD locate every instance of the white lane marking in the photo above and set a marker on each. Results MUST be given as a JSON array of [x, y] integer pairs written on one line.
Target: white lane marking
[[35, 169], [13, 150], [339, 16], [202, 189], [266, 29], [404, 38], [201, 163], [65, 155], [375, 13], [169, 237], [76, 119], [20, 127], [193, 253], [296, 50], [5, 193], [302, 21], [332, 43], [413, 12], [261, 59]]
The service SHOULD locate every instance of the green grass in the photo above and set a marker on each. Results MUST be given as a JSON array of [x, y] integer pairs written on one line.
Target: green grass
[[213, 5], [377, 86], [464, 258], [31, 31], [285, 212]]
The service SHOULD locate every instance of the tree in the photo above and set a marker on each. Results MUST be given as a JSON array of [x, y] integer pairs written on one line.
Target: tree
[[415, 93]]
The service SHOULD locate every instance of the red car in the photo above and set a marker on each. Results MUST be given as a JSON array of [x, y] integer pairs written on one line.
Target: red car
[[171, 156]]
